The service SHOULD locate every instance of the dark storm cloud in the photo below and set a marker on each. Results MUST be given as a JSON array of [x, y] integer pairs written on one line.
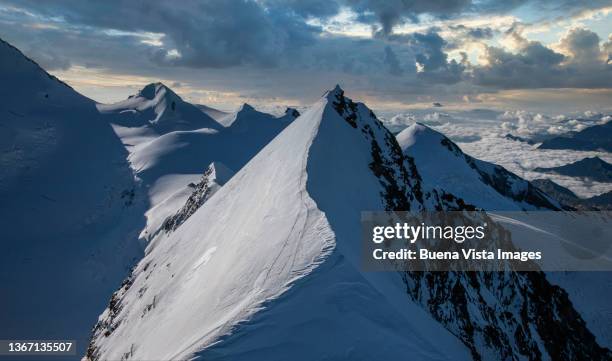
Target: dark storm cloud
[[268, 39], [216, 33], [389, 13], [429, 50], [391, 60], [306, 8], [537, 66], [473, 33]]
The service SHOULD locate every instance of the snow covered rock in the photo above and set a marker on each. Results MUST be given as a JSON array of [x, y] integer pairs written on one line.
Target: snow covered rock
[[269, 268], [442, 164], [215, 176], [191, 151], [159, 108]]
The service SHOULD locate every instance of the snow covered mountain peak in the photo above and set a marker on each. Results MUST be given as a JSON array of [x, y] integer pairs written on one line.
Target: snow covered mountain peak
[[247, 117], [245, 108], [443, 164], [151, 90], [268, 267], [336, 91], [408, 137], [158, 107]]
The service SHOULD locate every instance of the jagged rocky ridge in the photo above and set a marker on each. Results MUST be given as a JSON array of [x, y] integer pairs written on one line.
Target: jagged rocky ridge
[[570, 201], [214, 177], [497, 315]]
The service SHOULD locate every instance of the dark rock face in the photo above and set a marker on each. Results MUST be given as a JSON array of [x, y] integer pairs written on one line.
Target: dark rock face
[[109, 324], [597, 137], [506, 315], [396, 172], [201, 193], [503, 181], [519, 139], [591, 168], [497, 315]]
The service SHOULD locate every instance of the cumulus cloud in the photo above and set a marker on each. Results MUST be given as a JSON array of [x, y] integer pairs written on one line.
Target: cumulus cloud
[[432, 60], [392, 62], [534, 65], [582, 47], [217, 33], [259, 44], [537, 126]]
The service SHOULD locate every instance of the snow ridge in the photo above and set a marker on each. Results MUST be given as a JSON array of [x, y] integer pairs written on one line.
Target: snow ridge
[[159, 108], [443, 164], [263, 232], [282, 234]]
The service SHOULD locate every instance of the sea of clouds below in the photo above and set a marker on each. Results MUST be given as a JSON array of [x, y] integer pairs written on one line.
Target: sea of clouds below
[[480, 133]]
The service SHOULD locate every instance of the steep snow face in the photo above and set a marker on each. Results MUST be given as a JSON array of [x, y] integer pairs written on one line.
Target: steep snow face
[[259, 233], [326, 314], [442, 164], [69, 205], [160, 109], [216, 114]]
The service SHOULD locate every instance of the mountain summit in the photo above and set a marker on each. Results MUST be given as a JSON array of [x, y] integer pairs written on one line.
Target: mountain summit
[[158, 107], [268, 267], [443, 164]]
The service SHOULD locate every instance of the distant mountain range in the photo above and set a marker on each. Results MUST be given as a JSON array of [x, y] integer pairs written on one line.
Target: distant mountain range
[[570, 200], [597, 137], [590, 168], [519, 139]]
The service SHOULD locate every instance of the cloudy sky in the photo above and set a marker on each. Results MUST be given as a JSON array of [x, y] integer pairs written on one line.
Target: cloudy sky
[[551, 56]]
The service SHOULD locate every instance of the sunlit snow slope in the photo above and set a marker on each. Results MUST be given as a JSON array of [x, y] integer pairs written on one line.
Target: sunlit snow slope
[[261, 233]]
